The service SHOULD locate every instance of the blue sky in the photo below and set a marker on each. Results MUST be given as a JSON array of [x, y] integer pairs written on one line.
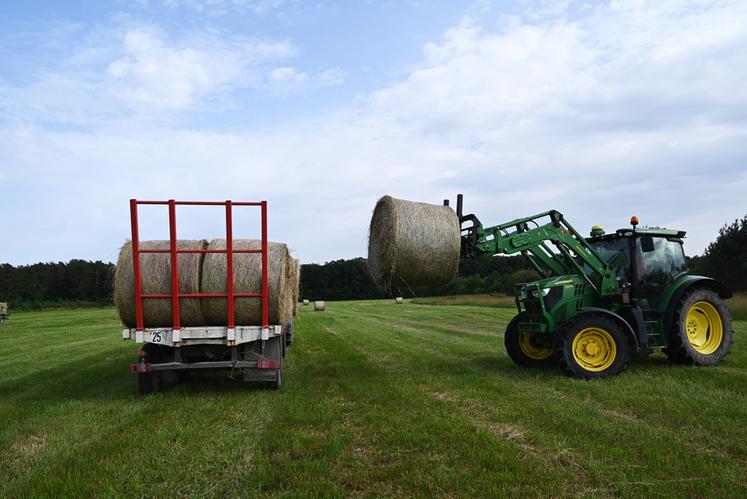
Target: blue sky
[[599, 109]]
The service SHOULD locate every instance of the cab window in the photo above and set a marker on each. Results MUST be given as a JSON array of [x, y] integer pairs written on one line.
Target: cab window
[[656, 268]]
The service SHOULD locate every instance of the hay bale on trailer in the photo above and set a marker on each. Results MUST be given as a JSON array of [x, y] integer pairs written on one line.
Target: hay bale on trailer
[[155, 270], [247, 268], [319, 306], [412, 244]]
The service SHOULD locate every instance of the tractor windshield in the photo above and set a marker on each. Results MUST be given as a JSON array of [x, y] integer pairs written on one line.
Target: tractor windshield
[[616, 252]]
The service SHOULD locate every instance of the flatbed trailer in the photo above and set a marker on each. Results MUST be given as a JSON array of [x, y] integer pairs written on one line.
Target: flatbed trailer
[[254, 351]]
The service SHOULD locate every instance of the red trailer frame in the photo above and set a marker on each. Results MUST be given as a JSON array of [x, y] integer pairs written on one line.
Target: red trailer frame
[[175, 296]]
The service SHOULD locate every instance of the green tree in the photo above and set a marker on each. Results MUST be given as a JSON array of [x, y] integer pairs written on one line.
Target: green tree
[[725, 259]]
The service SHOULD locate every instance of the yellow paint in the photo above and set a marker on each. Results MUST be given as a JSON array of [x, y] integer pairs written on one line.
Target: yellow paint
[[594, 349], [704, 327], [531, 351]]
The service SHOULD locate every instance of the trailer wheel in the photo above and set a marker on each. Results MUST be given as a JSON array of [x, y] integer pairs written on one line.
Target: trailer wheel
[[276, 383], [148, 383], [592, 346], [702, 332], [289, 335], [523, 347]]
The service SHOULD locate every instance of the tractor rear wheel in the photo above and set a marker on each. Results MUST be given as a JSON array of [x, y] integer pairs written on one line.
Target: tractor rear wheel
[[701, 333], [592, 346], [524, 347]]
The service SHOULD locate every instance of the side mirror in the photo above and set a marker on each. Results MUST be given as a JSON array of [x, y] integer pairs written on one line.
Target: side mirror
[[647, 244]]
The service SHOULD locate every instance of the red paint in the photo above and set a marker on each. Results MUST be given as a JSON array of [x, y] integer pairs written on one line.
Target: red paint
[[229, 265], [173, 251], [174, 266], [265, 283]]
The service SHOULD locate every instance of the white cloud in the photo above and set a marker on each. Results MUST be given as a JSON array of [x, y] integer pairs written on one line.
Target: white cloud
[[142, 73], [152, 73], [288, 75], [333, 76], [630, 108]]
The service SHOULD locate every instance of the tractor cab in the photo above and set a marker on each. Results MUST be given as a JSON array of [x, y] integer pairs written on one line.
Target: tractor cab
[[650, 259]]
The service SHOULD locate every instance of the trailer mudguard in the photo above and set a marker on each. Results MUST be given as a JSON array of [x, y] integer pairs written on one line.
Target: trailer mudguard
[[626, 326]]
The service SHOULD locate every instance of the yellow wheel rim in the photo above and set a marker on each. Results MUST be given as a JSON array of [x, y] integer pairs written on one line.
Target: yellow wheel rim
[[530, 350], [594, 349], [704, 328]]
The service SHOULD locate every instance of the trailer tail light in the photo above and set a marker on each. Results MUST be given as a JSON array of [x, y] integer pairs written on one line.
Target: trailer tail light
[[141, 368], [268, 364]]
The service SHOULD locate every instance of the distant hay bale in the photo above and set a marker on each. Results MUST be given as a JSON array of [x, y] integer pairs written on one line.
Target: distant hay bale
[[306, 302], [399, 300], [247, 270], [412, 244], [319, 306], [155, 272]]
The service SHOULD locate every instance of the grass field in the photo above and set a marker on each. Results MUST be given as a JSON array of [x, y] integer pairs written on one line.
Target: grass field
[[379, 399], [737, 303]]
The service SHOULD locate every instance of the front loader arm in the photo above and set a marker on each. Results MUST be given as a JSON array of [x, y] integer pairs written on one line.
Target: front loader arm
[[517, 236]]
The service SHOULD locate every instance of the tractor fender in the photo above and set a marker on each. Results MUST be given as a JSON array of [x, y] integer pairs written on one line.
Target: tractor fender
[[617, 318], [692, 281]]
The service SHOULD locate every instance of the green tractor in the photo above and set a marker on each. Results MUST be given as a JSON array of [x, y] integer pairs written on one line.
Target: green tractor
[[604, 298]]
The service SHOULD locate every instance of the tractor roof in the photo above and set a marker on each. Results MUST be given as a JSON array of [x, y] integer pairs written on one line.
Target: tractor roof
[[629, 232]]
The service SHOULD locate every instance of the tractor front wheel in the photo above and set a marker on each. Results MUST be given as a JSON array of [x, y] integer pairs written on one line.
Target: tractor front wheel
[[592, 346], [701, 333], [526, 348]]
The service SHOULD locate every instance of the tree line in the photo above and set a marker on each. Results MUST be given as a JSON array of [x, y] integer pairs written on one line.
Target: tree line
[[86, 283]]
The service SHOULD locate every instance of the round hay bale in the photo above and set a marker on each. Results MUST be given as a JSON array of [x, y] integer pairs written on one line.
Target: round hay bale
[[412, 244], [306, 302], [247, 271], [155, 272], [319, 306], [399, 300]]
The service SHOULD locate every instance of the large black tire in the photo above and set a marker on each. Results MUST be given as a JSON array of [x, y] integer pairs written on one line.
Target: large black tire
[[276, 383], [289, 335], [592, 346], [701, 332], [148, 383], [523, 348]]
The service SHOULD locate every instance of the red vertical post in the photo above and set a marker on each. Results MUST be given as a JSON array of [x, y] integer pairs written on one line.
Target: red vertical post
[[265, 279], [174, 266], [229, 264], [136, 266]]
